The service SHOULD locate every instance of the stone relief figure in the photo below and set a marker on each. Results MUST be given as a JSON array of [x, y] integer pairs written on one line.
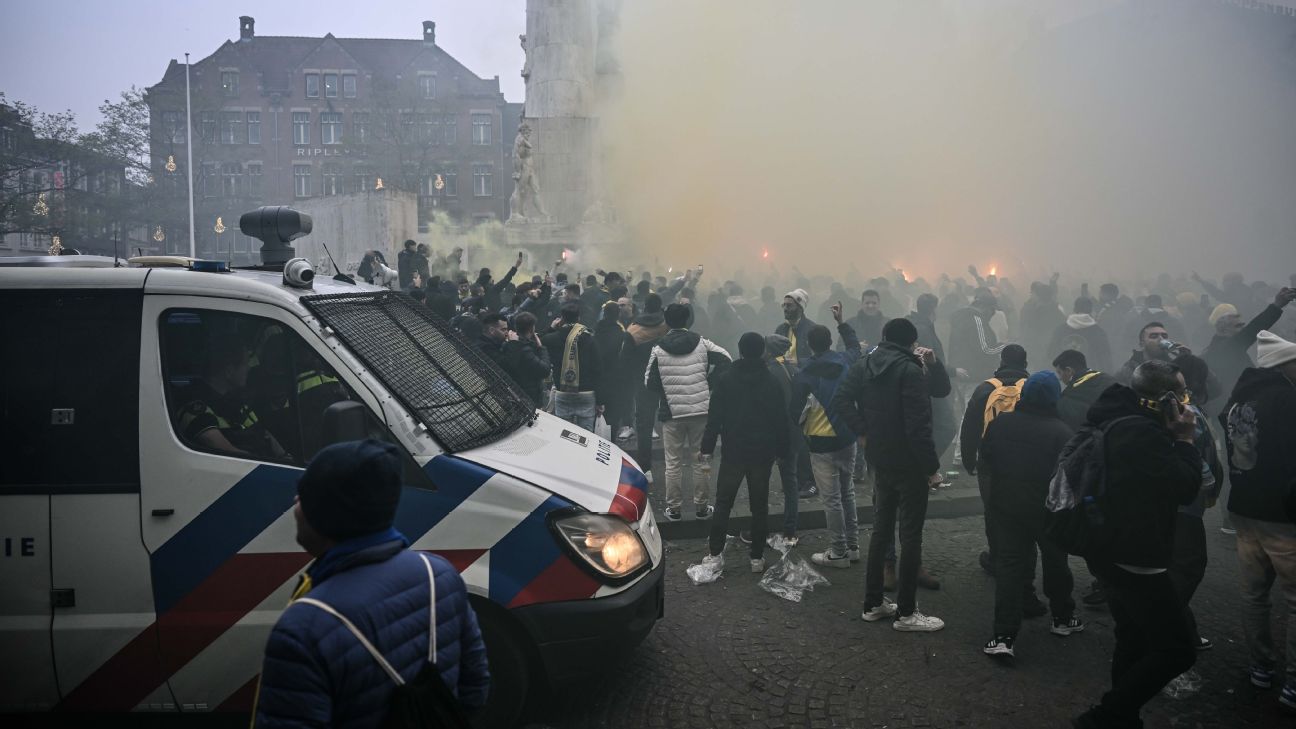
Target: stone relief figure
[[525, 202], [526, 59]]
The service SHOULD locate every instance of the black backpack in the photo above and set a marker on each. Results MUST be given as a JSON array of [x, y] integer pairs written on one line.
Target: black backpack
[[1076, 507]]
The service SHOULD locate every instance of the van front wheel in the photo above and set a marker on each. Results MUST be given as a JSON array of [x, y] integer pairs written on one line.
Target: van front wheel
[[510, 679]]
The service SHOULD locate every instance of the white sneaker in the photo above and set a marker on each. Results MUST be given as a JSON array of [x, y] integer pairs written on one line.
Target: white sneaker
[[714, 560], [916, 622], [854, 554], [886, 610], [828, 559], [758, 565], [648, 477], [626, 433]]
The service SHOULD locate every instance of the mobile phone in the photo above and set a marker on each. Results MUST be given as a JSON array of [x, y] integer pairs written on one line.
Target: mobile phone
[[1170, 407]]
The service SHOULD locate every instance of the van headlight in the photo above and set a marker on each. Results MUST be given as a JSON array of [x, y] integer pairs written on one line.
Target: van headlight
[[605, 543]]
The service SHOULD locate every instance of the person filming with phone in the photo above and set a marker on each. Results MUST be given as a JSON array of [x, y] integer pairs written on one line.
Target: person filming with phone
[[1152, 467]]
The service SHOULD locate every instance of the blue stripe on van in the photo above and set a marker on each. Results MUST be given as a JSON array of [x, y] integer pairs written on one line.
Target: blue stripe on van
[[524, 553], [455, 480], [245, 510]]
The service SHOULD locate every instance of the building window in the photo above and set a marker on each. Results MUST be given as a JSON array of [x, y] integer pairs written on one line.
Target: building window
[[210, 180], [207, 127], [301, 127], [450, 178], [229, 83], [481, 124], [364, 179], [449, 129], [427, 84], [332, 180], [231, 172], [254, 127], [331, 127], [302, 180], [330, 85], [312, 85], [173, 127], [348, 86], [407, 127], [431, 129], [231, 127], [360, 127], [483, 185], [254, 180]]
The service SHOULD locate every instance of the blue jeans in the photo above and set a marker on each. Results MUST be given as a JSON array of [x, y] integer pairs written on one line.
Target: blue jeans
[[576, 408], [794, 471], [832, 473]]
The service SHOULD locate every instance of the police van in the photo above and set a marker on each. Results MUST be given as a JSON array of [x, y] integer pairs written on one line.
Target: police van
[[156, 417]]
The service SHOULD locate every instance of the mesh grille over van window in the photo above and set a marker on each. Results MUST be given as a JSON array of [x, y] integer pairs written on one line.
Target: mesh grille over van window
[[464, 399]]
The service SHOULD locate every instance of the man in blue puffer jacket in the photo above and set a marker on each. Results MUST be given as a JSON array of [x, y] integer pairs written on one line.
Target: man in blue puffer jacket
[[316, 673]]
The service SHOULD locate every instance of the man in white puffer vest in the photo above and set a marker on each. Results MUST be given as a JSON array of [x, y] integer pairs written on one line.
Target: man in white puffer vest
[[680, 370]]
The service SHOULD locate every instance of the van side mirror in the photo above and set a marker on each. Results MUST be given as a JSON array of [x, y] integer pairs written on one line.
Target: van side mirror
[[344, 421]]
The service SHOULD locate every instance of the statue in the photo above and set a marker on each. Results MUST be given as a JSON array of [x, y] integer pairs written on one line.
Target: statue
[[525, 202], [526, 60]]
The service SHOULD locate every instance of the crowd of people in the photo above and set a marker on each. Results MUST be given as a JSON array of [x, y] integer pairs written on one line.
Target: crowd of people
[[968, 371]]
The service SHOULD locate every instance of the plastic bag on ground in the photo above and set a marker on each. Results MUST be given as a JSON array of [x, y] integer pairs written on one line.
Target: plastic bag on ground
[[704, 573], [1184, 685], [602, 429], [790, 577]]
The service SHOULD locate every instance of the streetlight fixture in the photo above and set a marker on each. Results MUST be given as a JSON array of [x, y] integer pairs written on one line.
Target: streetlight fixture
[[218, 229]]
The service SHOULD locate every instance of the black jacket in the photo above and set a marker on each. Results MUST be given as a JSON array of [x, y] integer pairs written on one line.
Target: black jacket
[[1149, 476], [586, 352], [973, 344], [1018, 455], [1227, 357], [1087, 338], [926, 335], [749, 413], [802, 331], [617, 382], [528, 365], [868, 328], [492, 349], [405, 268], [1261, 437], [974, 417], [1080, 395], [886, 398], [491, 299]]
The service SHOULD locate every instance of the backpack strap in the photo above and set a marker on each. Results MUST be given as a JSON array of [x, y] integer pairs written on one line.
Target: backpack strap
[[995, 383], [378, 657], [432, 636]]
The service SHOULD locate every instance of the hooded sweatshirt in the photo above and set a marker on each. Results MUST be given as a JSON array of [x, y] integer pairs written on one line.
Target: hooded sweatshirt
[[886, 398], [1080, 395], [748, 411], [1260, 434], [974, 424], [679, 368], [1082, 333]]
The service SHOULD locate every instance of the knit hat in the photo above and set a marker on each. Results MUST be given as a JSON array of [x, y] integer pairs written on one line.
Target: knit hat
[[798, 295], [1272, 350], [900, 331], [777, 345], [351, 489], [1042, 389], [1222, 311], [751, 345]]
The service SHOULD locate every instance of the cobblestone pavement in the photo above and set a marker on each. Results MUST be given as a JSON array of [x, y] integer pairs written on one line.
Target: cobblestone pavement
[[732, 655]]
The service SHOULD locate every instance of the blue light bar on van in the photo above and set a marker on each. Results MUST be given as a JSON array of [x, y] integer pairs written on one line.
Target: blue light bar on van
[[210, 266]]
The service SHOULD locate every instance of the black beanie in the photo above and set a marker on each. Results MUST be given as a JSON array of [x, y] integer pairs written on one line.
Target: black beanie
[[751, 345], [900, 331], [351, 489]]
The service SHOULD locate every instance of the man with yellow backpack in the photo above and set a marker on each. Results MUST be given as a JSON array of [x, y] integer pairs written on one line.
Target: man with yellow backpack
[[990, 399]]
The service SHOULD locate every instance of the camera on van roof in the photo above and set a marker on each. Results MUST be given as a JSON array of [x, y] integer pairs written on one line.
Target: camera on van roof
[[275, 226]]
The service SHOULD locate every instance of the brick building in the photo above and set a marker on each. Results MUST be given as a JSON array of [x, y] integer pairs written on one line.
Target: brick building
[[283, 118]]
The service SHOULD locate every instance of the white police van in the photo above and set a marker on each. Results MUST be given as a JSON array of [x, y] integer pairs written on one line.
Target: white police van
[[143, 560]]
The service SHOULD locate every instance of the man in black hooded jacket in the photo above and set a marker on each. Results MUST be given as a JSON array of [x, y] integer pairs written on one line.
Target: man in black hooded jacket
[[1082, 386], [885, 399], [1152, 468]]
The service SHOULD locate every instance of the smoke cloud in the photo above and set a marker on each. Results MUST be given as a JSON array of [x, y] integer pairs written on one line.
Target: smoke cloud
[[1076, 135]]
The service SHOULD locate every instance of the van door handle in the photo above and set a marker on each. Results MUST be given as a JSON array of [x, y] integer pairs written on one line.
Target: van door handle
[[163, 512]]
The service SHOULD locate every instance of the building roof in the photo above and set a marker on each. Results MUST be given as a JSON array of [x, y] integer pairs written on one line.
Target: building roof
[[275, 57]]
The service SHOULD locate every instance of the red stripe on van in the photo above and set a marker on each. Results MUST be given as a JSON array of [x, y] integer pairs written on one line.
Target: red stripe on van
[[231, 592], [562, 580], [460, 559]]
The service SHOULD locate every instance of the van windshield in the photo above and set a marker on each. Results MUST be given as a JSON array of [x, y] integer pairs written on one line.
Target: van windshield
[[463, 398]]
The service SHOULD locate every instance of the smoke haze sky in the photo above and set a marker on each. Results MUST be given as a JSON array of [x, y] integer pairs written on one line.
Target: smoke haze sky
[[1081, 134]]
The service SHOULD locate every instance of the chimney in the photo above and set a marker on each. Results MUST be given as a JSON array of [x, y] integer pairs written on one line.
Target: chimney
[[246, 25], [429, 32]]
